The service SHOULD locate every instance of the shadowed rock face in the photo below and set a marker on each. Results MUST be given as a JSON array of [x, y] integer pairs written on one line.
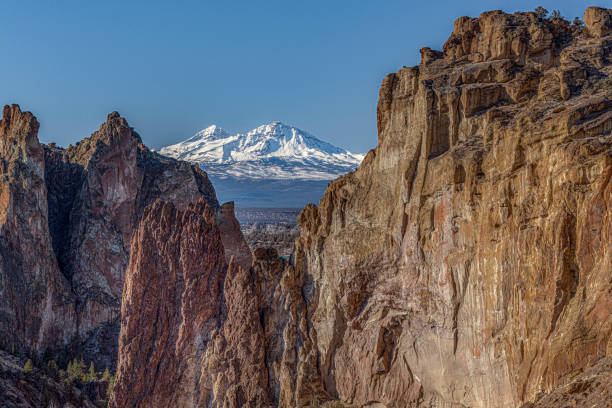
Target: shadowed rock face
[[36, 301], [20, 389], [97, 192]]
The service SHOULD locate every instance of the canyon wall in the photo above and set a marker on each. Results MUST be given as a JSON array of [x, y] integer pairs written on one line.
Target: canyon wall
[[466, 263], [190, 333]]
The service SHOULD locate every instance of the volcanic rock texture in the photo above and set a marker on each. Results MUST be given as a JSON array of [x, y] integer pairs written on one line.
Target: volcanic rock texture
[[466, 263]]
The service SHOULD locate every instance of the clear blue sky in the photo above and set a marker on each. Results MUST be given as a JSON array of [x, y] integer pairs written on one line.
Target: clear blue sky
[[172, 68]]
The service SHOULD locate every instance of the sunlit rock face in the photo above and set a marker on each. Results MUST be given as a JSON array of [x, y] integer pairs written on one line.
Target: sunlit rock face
[[467, 261]]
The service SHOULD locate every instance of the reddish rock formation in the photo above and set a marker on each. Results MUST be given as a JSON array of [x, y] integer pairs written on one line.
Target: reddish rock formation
[[66, 220], [233, 241], [190, 335], [36, 302], [592, 388], [97, 192]]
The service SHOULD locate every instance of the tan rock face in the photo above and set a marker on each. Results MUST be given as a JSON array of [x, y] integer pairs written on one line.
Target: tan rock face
[[36, 301], [467, 261], [598, 21]]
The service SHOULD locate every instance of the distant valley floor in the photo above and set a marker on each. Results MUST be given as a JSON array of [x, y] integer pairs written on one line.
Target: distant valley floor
[[269, 227], [268, 193]]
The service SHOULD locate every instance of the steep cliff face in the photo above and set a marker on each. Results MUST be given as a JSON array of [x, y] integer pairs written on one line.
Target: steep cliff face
[[467, 261], [35, 299], [190, 333], [97, 192]]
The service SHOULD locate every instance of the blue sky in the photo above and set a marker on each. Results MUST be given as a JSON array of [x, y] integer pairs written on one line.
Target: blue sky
[[172, 68]]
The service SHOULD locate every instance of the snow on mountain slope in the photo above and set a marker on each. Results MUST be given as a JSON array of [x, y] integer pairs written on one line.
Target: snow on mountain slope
[[273, 152]]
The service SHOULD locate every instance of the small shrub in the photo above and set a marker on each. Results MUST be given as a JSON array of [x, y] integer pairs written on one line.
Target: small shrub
[[578, 22], [106, 376], [29, 366], [91, 374]]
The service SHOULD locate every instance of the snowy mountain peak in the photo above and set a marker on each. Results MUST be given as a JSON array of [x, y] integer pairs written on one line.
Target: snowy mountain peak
[[211, 132], [271, 151]]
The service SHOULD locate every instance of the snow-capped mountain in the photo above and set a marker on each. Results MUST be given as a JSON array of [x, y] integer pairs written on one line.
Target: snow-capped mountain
[[270, 152], [274, 165]]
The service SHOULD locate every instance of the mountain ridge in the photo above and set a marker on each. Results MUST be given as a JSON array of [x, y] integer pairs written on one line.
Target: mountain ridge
[[270, 151]]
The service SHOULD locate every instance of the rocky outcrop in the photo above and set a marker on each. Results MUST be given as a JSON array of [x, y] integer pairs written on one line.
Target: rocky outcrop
[[234, 242], [598, 21], [591, 388], [467, 261], [97, 192], [66, 221], [190, 331], [36, 302], [278, 235]]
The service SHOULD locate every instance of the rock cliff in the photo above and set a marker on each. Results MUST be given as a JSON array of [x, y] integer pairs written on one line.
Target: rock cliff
[[97, 192], [466, 263], [36, 302], [190, 332], [66, 221]]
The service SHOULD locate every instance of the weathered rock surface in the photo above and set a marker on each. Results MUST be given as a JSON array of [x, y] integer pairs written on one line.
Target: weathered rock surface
[[280, 236], [592, 388], [467, 261], [36, 302], [97, 192], [234, 242], [66, 220], [190, 331]]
